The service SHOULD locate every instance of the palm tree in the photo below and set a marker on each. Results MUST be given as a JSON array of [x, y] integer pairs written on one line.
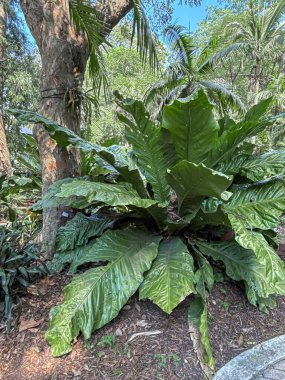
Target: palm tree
[[260, 37], [184, 76]]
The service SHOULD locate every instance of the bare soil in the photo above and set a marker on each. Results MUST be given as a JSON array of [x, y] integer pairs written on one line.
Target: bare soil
[[235, 325]]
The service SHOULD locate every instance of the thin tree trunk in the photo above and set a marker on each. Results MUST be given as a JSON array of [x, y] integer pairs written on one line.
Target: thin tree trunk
[[254, 87], [5, 163], [64, 56]]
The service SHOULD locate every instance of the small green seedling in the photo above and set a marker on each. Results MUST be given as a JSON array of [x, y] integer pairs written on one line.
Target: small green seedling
[[108, 340], [162, 358]]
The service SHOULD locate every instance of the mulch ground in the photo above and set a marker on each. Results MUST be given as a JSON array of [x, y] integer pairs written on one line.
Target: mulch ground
[[235, 325]]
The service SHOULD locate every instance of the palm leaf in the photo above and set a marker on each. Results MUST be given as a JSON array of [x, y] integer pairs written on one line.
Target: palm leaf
[[144, 35]]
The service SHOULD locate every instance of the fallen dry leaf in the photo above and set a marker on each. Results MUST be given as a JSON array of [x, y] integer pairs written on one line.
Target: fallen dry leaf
[[30, 324], [144, 333]]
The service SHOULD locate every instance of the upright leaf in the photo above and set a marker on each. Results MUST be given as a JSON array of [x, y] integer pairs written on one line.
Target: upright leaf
[[253, 123], [171, 277], [94, 298], [144, 136], [192, 126]]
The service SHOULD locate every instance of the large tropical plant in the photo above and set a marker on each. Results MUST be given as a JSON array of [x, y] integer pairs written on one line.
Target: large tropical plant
[[155, 219]]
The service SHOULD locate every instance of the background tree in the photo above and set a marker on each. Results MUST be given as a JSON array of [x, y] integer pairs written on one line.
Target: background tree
[[258, 38], [5, 163]]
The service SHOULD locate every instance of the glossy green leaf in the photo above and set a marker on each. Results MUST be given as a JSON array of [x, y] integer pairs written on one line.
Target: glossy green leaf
[[65, 137], [79, 230], [260, 272], [94, 298], [50, 199], [265, 166], [258, 206], [171, 277], [197, 316], [233, 166], [192, 183], [192, 126], [144, 136], [77, 191]]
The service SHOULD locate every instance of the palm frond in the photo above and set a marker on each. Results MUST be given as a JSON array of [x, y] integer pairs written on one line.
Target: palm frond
[[86, 19], [272, 17], [224, 97], [180, 43], [224, 55], [144, 36]]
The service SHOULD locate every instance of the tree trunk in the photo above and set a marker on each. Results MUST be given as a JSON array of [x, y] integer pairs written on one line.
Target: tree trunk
[[64, 56], [254, 87], [5, 163]]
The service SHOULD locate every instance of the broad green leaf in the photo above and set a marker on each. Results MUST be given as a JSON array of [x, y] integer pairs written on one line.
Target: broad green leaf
[[144, 136], [261, 273], [197, 313], [258, 206], [275, 266], [218, 218], [79, 230], [50, 199], [78, 191], [65, 137], [192, 126], [204, 275], [233, 165], [171, 277], [197, 316], [94, 298], [265, 166], [253, 123], [192, 183]]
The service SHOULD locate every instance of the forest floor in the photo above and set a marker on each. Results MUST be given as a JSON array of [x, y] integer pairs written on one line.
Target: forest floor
[[235, 325]]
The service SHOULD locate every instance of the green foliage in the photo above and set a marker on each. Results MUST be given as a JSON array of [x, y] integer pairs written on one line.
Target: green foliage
[[181, 192], [17, 264]]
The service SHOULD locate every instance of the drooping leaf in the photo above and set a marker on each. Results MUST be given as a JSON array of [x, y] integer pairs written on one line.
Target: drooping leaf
[[77, 191], [192, 126], [258, 206], [94, 298], [257, 272], [50, 199], [192, 183], [79, 230], [144, 136], [197, 317], [171, 277], [65, 137]]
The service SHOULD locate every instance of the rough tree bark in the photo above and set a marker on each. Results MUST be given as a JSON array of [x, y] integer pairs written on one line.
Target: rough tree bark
[[5, 163], [64, 55]]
